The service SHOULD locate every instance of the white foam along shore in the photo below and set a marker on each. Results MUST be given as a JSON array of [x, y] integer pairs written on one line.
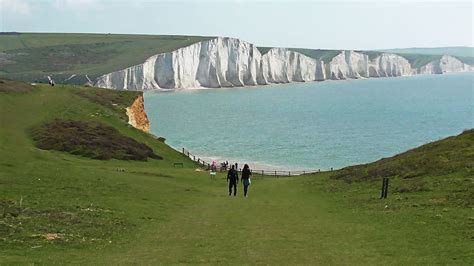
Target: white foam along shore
[[230, 62], [254, 165]]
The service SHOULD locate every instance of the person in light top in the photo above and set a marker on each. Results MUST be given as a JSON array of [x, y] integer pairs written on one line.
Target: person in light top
[[245, 179]]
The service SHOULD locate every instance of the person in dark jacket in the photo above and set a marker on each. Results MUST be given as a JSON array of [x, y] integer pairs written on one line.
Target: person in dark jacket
[[246, 173], [232, 179]]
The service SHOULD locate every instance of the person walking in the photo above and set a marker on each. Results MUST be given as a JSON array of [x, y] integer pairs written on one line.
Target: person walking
[[232, 179], [246, 173]]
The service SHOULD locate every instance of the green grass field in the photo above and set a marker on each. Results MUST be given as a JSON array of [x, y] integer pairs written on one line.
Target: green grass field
[[59, 208], [31, 56]]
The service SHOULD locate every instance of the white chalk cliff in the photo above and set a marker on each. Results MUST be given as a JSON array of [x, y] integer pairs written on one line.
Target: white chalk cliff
[[230, 62]]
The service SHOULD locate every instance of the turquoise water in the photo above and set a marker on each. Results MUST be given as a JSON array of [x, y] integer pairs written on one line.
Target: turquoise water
[[314, 125]]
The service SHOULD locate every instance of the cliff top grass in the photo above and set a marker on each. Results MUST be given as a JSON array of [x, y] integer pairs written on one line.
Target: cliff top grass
[[447, 156], [109, 98], [11, 86], [61, 208], [31, 56], [416, 60], [419, 169], [69, 57]]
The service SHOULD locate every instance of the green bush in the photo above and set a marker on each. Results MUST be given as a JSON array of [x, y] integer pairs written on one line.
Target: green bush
[[90, 139]]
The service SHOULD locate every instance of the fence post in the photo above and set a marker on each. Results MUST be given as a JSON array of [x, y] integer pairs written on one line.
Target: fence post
[[263, 172], [384, 188], [194, 157]]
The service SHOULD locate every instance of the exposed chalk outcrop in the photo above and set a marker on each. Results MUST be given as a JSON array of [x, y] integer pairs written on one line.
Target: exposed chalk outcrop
[[445, 64], [137, 116], [230, 62]]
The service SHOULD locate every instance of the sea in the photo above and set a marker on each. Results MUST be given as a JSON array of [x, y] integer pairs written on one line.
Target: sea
[[316, 125]]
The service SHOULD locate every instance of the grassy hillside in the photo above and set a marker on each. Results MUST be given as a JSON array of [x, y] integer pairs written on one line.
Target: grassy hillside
[[454, 51], [31, 56], [69, 57], [59, 207]]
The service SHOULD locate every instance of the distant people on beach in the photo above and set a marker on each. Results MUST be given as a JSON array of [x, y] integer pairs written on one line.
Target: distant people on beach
[[232, 179], [245, 179], [224, 166], [236, 167]]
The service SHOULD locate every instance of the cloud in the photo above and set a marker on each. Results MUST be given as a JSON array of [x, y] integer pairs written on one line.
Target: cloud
[[14, 6]]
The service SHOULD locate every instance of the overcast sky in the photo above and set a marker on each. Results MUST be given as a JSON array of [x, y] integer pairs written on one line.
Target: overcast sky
[[339, 24]]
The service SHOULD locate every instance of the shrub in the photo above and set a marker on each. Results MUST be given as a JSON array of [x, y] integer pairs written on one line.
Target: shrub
[[90, 139]]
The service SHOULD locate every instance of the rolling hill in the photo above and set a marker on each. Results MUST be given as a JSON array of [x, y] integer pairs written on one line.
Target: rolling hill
[[66, 205], [73, 58], [32, 56]]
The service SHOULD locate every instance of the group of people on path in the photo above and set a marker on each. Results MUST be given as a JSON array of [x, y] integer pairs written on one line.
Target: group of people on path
[[233, 179]]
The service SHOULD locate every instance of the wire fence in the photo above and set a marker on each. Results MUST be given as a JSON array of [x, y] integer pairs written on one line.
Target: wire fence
[[221, 167]]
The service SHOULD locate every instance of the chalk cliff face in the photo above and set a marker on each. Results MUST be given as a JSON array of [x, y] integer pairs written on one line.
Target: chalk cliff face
[[445, 64], [137, 116], [230, 62]]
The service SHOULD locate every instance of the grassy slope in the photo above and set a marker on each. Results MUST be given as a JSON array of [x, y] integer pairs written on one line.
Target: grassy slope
[[155, 213], [63, 54], [454, 51]]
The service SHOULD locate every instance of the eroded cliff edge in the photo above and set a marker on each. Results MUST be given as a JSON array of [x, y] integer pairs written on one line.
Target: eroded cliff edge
[[230, 62], [137, 116]]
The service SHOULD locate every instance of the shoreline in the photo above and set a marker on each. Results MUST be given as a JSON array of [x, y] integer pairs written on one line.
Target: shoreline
[[195, 89], [254, 165]]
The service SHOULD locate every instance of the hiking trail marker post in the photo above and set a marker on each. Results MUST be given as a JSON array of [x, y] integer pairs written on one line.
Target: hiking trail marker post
[[384, 193]]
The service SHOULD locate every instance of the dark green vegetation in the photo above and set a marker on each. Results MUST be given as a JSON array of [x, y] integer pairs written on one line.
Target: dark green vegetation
[[9, 86], [447, 156], [32, 56], [451, 158], [89, 139], [59, 208]]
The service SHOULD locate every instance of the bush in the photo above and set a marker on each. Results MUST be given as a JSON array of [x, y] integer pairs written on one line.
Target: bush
[[10, 86], [90, 139]]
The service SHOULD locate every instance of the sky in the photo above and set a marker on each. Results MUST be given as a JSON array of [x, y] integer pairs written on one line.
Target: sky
[[340, 24]]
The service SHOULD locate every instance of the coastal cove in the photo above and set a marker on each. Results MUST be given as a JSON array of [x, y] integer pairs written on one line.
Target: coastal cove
[[316, 125]]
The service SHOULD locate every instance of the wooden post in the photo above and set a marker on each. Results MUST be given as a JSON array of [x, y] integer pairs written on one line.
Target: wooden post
[[384, 192], [194, 157], [263, 172], [383, 188]]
